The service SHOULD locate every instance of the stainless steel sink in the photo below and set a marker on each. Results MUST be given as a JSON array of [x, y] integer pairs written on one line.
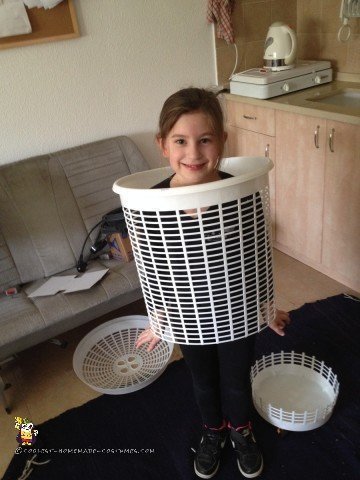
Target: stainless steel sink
[[349, 98]]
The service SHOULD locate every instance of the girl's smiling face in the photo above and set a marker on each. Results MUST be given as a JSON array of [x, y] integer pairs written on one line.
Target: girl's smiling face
[[193, 150]]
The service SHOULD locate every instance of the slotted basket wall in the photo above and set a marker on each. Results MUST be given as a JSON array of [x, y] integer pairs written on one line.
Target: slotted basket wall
[[203, 252]]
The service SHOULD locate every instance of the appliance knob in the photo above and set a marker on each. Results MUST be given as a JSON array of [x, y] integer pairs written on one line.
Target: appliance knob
[[286, 87], [317, 79]]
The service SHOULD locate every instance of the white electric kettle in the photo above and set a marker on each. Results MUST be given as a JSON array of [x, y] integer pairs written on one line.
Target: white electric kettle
[[280, 47]]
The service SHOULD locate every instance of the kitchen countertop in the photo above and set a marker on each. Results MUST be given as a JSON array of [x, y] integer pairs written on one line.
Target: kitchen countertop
[[300, 102]]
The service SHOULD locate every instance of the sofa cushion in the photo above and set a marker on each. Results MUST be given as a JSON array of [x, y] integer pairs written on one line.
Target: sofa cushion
[[30, 221], [55, 308], [23, 318], [19, 318], [91, 171], [48, 204]]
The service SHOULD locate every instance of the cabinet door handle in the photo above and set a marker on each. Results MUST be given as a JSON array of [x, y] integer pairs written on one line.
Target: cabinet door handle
[[316, 136], [331, 140], [248, 117], [267, 150]]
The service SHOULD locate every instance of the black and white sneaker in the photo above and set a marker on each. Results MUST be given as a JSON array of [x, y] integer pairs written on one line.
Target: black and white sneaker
[[207, 457], [249, 458]]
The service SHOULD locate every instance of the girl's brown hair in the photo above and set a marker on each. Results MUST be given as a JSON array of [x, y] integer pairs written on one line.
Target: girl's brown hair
[[190, 100]]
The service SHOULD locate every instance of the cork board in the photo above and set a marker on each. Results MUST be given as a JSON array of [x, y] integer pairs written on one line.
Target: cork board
[[58, 23]]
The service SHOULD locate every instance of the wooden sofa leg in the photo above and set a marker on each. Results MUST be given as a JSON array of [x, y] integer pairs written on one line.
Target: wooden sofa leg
[[59, 343], [3, 387]]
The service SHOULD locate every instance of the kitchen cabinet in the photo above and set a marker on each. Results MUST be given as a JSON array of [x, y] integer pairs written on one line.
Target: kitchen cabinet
[[299, 184], [318, 194], [251, 133], [341, 226], [315, 186], [251, 117]]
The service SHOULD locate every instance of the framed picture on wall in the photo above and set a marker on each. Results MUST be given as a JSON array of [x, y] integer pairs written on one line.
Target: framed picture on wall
[[48, 25]]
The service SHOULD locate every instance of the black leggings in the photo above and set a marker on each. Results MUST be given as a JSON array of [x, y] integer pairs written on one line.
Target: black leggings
[[221, 380]]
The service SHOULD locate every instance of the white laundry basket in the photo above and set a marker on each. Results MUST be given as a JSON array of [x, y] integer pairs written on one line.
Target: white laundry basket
[[107, 360], [206, 274], [293, 391]]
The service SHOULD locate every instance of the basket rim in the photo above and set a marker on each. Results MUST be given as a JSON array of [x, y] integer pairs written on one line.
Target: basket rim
[[126, 184], [125, 321]]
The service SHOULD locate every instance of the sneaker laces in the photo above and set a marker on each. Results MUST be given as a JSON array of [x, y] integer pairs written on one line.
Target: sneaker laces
[[245, 442], [247, 434], [209, 445]]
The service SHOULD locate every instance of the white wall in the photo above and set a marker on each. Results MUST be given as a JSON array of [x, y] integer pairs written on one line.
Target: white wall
[[111, 81]]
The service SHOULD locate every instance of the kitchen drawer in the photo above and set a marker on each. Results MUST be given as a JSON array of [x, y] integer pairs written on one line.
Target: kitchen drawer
[[251, 117]]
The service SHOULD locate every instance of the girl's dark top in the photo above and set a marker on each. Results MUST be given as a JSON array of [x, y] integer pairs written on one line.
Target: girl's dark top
[[166, 183]]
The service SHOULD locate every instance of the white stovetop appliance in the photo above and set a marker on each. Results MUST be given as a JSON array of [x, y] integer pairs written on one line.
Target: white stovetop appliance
[[263, 83], [281, 73]]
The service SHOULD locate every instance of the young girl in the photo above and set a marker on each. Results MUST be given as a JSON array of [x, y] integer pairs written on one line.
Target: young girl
[[192, 137]]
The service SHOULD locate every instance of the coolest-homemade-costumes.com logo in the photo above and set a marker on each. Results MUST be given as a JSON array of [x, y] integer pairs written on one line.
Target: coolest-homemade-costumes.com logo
[[26, 432]]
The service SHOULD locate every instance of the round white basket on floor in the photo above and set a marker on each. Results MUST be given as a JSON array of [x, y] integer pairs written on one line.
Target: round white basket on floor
[[203, 252], [107, 361], [293, 391]]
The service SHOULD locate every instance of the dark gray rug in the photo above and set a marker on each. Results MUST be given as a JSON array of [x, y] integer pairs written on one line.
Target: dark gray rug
[[147, 435]]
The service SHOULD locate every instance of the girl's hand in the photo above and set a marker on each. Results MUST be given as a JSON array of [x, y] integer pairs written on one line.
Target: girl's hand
[[147, 336], [281, 320]]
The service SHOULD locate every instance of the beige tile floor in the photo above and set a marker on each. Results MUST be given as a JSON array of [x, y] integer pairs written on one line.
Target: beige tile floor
[[44, 384]]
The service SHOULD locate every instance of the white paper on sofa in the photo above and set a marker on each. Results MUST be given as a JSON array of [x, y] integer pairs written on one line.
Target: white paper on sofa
[[68, 283]]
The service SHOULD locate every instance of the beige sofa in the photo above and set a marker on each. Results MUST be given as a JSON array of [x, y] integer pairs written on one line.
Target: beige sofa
[[48, 204]]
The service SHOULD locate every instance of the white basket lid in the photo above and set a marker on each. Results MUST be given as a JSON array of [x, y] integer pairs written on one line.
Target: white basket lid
[[107, 360]]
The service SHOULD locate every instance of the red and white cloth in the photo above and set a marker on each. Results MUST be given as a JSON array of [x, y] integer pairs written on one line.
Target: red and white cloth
[[219, 12]]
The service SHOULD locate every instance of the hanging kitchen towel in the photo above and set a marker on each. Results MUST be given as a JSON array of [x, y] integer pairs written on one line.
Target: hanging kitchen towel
[[219, 12], [13, 18]]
